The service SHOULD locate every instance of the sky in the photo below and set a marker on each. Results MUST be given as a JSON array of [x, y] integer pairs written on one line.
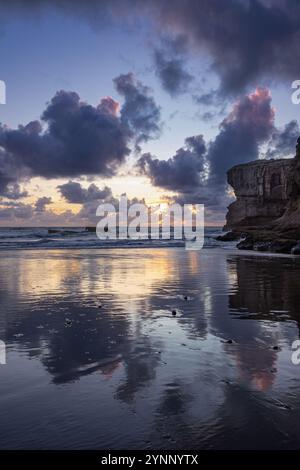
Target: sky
[[151, 98]]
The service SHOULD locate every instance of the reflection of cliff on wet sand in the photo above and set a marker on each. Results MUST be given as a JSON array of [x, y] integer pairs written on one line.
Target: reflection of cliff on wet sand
[[267, 290]]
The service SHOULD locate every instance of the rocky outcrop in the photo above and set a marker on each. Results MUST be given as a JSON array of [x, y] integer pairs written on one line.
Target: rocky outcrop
[[290, 219], [266, 213], [261, 189]]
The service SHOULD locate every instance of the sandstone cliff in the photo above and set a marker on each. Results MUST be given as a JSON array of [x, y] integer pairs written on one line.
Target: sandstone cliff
[[290, 219], [261, 189], [266, 212]]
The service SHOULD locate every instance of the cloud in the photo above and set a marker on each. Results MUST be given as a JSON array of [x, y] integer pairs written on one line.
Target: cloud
[[206, 99], [87, 212], [249, 124], [139, 112], [79, 139], [74, 193], [32, 215], [282, 142], [213, 103], [182, 171], [197, 172], [74, 138], [41, 203], [13, 191], [109, 106], [170, 65], [246, 40], [16, 212]]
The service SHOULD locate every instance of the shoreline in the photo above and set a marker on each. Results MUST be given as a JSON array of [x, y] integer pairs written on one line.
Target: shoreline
[[217, 250]]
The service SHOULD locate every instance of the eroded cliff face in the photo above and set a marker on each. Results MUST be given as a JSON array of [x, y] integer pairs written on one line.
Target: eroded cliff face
[[266, 213], [262, 189], [290, 219]]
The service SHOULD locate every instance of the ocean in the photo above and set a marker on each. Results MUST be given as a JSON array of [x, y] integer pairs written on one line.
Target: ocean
[[78, 237]]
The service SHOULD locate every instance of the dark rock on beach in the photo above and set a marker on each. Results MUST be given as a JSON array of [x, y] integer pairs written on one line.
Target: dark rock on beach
[[296, 249], [246, 244], [282, 246], [262, 241], [229, 236], [262, 246]]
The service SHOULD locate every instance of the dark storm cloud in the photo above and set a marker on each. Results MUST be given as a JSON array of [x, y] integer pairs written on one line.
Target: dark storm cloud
[[169, 62], [182, 171], [198, 173], [282, 142], [74, 138], [247, 40], [74, 193], [174, 78], [41, 203], [249, 124], [139, 112], [79, 139]]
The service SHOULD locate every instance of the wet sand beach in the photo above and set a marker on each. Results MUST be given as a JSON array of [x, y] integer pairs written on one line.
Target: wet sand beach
[[96, 359]]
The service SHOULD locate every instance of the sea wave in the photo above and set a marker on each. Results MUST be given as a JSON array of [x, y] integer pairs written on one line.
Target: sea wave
[[77, 237]]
